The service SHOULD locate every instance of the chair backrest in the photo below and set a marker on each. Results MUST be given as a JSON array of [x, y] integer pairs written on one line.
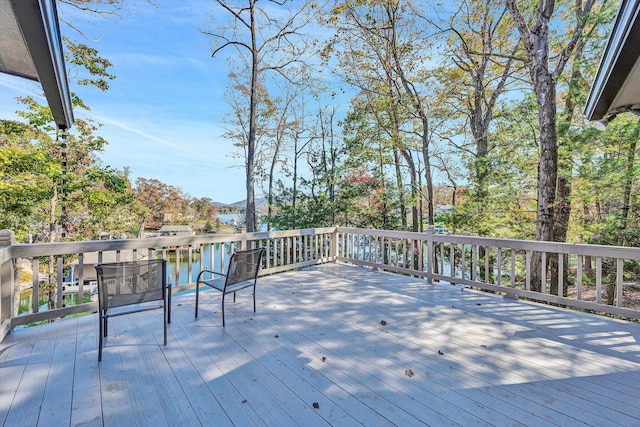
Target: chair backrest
[[131, 282], [244, 265]]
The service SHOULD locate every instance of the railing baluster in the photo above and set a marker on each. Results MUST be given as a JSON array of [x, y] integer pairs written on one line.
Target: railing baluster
[[474, 262], [452, 259], [35, 282], [527, 279], [513, 268], [463, 260], [301, 241], [178, 254], [619, 282], [487, 255], [543, 274], [579, 277], [560, 275], [59, 280], [499, 262], [190, 264], [211, 262], [599, 280], [80, 278]]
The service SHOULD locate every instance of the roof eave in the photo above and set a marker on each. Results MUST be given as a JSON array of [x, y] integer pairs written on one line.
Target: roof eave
[[619, 71], [38, 21]]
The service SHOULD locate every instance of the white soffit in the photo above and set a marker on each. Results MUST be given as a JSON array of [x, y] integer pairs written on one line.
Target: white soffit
[[31, 47]]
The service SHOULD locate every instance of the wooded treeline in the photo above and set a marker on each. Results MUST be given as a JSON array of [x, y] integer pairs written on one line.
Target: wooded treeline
[[475, 104]]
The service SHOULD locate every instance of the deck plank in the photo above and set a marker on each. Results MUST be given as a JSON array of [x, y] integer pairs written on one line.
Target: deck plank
[[33, 381], [375, 351], [57, 393], [86, 406], [477, 359], [186, 378]]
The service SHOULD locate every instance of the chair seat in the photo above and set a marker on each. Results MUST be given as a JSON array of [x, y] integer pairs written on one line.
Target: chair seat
[[219, 285]]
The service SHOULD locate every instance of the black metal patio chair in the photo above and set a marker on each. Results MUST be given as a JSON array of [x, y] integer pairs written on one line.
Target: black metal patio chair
[[131, 287], [242, 273]]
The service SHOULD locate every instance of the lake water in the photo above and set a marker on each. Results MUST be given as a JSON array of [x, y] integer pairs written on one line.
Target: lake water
[[183, 276]]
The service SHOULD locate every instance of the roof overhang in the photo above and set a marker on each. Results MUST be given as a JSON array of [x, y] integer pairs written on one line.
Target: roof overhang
[[31, 47], [616, 88]]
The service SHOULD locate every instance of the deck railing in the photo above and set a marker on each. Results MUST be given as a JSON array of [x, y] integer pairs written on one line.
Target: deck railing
[[497, 265], [597, 277]]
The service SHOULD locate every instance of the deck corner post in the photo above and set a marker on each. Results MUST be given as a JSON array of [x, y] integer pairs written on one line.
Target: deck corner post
[[334, 244], [6, 283]]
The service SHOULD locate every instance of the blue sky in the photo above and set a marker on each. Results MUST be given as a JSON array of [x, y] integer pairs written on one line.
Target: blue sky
[[162, 115]]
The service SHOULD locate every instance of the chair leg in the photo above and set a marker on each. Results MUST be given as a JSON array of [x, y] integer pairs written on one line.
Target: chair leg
[[100, 336], [165, 321], [223, 294], [197, 297], [234, 297], [254, 298], [169, 317]]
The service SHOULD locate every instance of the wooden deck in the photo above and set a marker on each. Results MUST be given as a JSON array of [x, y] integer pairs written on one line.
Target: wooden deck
[[317, 353]]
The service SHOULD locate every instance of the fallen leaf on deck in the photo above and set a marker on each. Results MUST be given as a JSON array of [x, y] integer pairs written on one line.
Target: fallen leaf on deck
[[276, 336], [244, 401], [383, 322], [409, 373], [483, 345], [440, 353], [478, 303], [316, 405], [324, 358]]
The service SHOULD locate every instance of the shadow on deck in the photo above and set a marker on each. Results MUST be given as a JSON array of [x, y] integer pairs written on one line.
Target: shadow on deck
[[330, 345]]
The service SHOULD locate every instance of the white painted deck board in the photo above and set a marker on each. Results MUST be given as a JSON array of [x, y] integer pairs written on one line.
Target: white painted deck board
[[477, 359]]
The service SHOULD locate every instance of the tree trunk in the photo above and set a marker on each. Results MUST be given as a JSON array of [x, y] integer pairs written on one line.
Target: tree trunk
[[414, 189], [270, 190], [565, 170], [143, 222], [427, 168], [535, 40], [403, 207], [250, 211]]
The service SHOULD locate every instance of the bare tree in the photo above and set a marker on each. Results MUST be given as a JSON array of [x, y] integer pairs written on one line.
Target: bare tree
[[384, 52], [482, 47], [266, 40]]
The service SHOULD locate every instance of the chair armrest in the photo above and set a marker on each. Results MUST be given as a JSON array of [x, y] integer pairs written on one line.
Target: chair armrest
[[209, 271]]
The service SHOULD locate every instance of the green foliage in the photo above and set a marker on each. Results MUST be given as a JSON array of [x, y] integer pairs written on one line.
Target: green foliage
[[88, 58]]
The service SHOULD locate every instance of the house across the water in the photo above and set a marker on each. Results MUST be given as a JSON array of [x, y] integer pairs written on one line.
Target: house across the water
[[175, 230]]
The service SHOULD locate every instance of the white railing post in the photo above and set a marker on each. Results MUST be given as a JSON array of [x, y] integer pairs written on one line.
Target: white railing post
[[430, 253], [334, 244], [7, 288]]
